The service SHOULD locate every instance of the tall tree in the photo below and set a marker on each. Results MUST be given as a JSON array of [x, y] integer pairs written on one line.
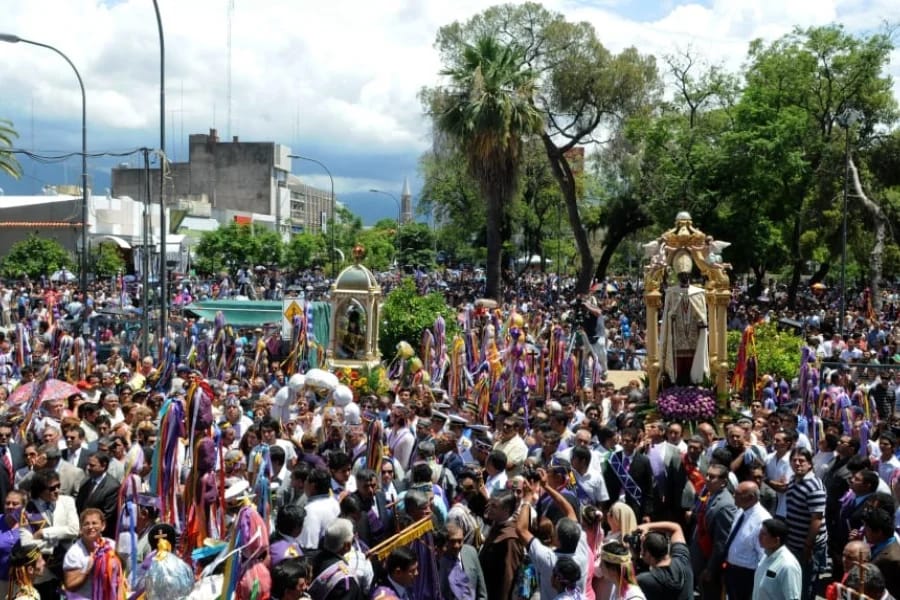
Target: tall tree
[[786, 120], [8, 163], [487, 110], [582, 89]]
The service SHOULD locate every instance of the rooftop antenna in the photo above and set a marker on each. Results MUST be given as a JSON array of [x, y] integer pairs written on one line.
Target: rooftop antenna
[[228, 86]]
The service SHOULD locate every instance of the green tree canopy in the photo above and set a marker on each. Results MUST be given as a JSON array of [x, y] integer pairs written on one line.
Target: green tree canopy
[[107, 260], [304, 251], [379, 243], [34, 257], [407, 313], [415, 246], [237, 245]]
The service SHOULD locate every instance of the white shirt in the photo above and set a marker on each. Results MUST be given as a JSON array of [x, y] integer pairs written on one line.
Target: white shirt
[[496, 482], [888, 469], [745, 550], [320, 511], [777, 577], [593, 485], [779, 469]]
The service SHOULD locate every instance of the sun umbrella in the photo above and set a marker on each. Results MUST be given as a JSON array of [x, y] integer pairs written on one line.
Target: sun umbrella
[[818, 286], [53, 389], [64, 275]]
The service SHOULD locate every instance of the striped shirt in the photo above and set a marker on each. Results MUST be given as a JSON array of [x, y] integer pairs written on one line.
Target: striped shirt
[[805, 497]]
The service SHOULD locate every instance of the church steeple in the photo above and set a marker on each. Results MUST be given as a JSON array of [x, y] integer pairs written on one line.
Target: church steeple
[[406, 215]]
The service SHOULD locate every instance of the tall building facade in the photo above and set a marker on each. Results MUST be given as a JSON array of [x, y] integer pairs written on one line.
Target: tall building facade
[[235, 177]]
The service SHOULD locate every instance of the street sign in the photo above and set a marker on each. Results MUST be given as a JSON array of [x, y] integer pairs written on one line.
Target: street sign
[[291, 308]]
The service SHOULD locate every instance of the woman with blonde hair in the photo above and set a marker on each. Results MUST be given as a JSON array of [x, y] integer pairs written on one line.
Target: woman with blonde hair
[[621, 520], [616, 567]]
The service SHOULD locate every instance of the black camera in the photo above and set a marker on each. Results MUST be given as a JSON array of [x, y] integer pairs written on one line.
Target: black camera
[[633, 541], [577, 314]]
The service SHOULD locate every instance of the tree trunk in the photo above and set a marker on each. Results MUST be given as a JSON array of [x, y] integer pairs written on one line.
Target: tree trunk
[[759, 282], [494, 244], [820, 273], [566, 179], [797, 263], [609, 247], [876, 258]]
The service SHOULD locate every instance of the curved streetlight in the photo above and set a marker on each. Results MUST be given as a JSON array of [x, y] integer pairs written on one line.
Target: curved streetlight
[[333, 214], [14, 39], [163, 268], [845, 121], [396, 200]]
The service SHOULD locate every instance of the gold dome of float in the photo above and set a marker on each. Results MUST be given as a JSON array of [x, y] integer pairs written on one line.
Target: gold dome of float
[[355, 278]]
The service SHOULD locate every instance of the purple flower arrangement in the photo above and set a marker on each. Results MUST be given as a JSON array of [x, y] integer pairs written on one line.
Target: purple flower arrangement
[[687, 403]]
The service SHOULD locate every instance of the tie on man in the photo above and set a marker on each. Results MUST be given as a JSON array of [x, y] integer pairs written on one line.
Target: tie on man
[[459, 581], [7, 464], [734, 531], [738, 578]]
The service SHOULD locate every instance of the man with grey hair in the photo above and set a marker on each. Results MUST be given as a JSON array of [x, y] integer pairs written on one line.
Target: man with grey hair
[[333, 579], [742, 549], [570, 539], [868, 577]]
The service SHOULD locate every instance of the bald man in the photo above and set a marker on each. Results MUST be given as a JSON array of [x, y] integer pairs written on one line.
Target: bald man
[[743, 550], [855, 553]]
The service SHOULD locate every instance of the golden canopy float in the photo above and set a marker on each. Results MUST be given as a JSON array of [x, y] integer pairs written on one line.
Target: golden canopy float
[[356, 308], [686, 345]]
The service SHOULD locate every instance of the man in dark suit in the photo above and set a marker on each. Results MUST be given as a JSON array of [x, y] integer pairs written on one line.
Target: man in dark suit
[[377, 521], [100, 491], [713, 517], [459, 570], [879, 532], [863, 484], [76, 452], [630, 474], [12, 458]]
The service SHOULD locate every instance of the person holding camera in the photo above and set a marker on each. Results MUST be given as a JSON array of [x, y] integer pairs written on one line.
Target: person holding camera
[[662, 547], [593, 326]]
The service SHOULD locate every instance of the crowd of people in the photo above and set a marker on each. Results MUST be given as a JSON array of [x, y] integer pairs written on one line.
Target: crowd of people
[[262, 485]]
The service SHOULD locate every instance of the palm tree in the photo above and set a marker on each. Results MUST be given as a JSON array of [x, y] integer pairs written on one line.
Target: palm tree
[[488, 111], [8, 163]]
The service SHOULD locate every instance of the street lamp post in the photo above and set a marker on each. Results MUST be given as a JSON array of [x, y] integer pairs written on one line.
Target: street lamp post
[[14, 39], [333, 212], [845, 120], [163, 267], [396, 201]]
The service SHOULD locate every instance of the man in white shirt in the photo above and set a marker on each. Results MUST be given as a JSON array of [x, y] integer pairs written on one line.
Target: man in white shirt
[[512, 444], [743, 550], [778, 469], [778, 576], [495, 468], [321, 509], [589, 485]]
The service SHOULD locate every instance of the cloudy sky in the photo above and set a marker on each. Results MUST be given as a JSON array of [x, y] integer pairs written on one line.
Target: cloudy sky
[[333, 80]]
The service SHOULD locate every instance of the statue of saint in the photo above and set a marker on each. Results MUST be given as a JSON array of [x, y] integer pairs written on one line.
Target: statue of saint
[[684, 338], [353, 339]]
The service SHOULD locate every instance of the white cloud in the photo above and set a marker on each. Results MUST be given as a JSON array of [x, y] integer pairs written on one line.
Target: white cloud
[[342, 74]]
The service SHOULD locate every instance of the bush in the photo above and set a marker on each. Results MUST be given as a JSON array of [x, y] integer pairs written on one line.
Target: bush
[[777, 352], [406, 314]]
